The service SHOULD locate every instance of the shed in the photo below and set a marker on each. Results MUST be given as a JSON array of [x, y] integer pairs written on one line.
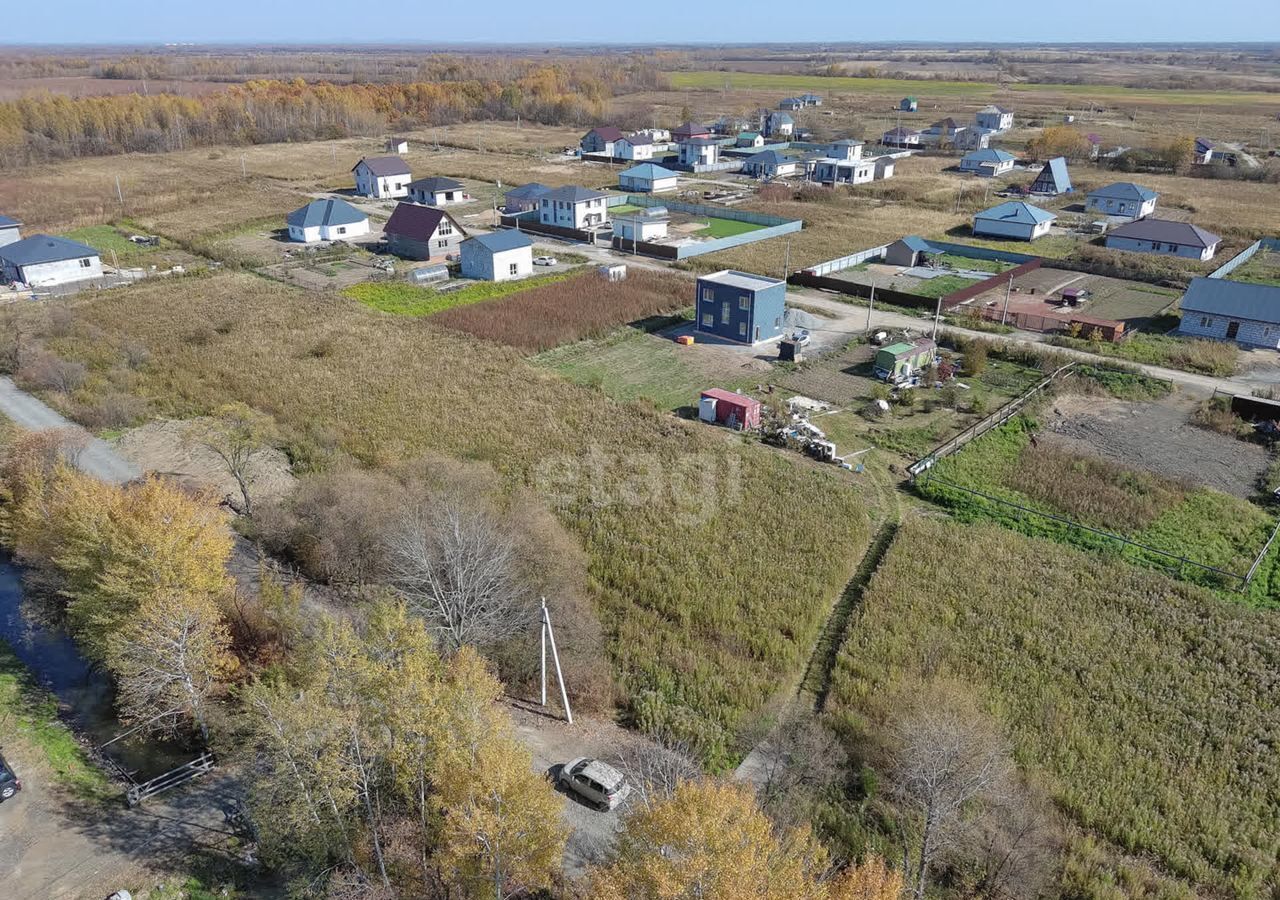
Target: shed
[[10, 230], [326, 220], [909, 251], [648, 178], [45, 261], [908, 104], [524, 198], [398, 145], [498, 256], [1014, 219], [1053, 178], [902, 362], [613, 272], [740, 307], [722, 407], [648, 224], [1111, 330]]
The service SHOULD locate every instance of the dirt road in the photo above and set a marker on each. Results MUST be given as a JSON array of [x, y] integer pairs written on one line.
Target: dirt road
[[97, 458]]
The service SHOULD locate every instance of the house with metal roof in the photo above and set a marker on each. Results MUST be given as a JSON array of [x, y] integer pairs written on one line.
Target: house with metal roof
[[326, 220], [437, 191], [44, 261], [811, 99], [600, 140], [975, 138], [698, 151], [740, 307], [749, 140], [647, 224], [791, 104], [1164, 237], [498, 256], [636, 146], [909, 251], [994, 117], [382, 177], [648, 178], [422, 232], [905, 138], [942, 132], [689, 130], [524, 198], [1123, 198], [779, 125], [1013, 219], [10, 230], [573, 207], [1053, 178], [987, 163], [770, 164], [1232, 311]]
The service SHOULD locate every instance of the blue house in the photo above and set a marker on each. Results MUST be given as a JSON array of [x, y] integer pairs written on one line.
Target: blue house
[[1013, 219], [740, 307], [1053, 178], [988, 162]]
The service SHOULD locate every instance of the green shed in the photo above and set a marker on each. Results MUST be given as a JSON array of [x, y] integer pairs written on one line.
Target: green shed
[[901, 362]]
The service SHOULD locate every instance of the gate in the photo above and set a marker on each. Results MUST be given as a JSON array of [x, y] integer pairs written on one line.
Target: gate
[[171, 779]]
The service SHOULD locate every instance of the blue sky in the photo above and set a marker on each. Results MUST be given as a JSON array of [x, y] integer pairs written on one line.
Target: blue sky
[[560, 21]]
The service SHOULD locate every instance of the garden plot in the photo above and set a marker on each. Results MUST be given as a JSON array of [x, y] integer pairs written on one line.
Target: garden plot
[[1039, 293], [922, 281]]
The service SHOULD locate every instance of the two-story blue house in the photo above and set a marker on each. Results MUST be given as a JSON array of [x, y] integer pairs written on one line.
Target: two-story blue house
[[740, 307]]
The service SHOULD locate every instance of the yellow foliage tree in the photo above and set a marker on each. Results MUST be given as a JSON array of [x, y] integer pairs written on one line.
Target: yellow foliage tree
[[873, 879], [711, 840]]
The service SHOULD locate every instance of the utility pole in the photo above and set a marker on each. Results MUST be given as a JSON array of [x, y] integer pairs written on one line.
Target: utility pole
[[119, 192], [548, 634], [937, 316], [244, 168], [1008, 289], [871, 304], [786, 261]]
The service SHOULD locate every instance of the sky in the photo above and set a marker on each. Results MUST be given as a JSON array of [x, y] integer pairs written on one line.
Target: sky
[[649, 21]]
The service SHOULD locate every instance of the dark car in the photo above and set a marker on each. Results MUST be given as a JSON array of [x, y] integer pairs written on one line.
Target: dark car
[[9, 783]]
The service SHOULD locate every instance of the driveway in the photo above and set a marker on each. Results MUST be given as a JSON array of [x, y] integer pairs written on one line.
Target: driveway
[[96, 459]]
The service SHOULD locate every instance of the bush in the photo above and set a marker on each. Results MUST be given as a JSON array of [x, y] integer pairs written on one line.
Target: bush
[[47, 371], [116, 410]]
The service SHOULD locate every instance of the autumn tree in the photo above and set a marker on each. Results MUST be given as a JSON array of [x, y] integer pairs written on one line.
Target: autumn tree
[[1059, 140], [710, 839], [871, 879], [239, 436]]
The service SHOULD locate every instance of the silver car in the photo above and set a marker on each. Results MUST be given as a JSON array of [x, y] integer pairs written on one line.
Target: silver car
[[600, 784]]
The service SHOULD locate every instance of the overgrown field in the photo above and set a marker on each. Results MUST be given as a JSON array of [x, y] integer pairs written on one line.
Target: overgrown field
[[1207, 357], [1199, 524], [708, 605], [1148, 708], [586, 306], [403, 299]]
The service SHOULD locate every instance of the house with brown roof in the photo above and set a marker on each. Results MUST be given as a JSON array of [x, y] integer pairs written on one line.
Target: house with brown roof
[[1165, 237], [382, 177], [422, 232], [600, 140]]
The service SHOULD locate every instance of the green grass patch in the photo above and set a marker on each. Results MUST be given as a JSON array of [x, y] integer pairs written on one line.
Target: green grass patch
[[718, 228], [1147, 709], [952, 261], [107, 238], [403, 299], [624, 209], [29, 717], [941, 286], [1185, 521]]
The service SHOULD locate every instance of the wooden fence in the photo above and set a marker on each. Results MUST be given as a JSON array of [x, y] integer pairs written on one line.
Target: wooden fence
[[171, 779]]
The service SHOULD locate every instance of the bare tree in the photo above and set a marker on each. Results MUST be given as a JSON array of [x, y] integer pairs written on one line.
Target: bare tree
[[801, 758], [658, 766], [947, 758], [458, 568], [238, 435]]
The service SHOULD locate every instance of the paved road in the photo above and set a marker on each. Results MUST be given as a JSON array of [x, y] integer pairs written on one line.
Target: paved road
[[97, 458]]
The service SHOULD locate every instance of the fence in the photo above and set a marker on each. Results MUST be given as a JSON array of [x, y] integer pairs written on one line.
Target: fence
[[171, 779], [855, 289], [968, 293], [770, 226], [1244, 256], [846, 262]]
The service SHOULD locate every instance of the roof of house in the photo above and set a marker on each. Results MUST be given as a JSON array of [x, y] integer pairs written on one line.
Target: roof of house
[[1056, 170], [730, 397], [435, 183], [790, 102], [573, 194], [1203, 144], [41, 248], [904, 348], [949, 124], [993, 110], [498, 241], [531, 191], [418, 223], [1165, 231], [650, 213], [6, 222], [1017, 211], [782, 118], [749, 135], [1218, 296], [638, 139], [1125, 190], [605, 133], [651, 171], [910, 99], [770, 158], [384, 166], [699, 141], [325, 212], [743, 280], [690, 128], [900, 131], [810, 96], [988, 154], [918, 244]]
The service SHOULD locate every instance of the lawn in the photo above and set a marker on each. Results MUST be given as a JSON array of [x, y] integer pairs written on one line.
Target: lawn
[[683, 567], [403, 299], [106, 238], [1147, 708], [718, 228], [941, 286], [1203, 525], [1261, 268]]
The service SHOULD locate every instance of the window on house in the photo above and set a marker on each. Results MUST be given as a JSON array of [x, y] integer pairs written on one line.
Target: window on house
[[514, 268], [1205, 321], [744, 302], [86, 263], [443, 242], [708, 295], [342, 229], [742, 329], [445, 227], [708, 320], [724, 312]]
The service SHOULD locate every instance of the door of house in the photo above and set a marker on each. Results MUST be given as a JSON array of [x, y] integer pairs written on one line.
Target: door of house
[[1233, 328]]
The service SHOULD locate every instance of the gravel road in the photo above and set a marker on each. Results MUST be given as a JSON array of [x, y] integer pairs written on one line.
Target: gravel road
[[97, 458]]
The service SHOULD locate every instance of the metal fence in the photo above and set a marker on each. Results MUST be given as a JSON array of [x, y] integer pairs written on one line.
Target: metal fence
[[1244, 256]]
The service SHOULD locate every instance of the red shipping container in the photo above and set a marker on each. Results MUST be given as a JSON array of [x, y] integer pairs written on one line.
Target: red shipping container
[[742, 411]]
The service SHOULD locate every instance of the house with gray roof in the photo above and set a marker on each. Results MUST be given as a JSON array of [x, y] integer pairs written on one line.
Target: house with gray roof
[[524, 198], [638, 146], [437, 191], [382, 177], [909, 251], [422, 232], [648, 178], [326, 220], [45, 261], [1014, 219], [779, 125], [1164, 237], [1053, 178], [699, 151], [573, 207], [498, 256], [942, 133], [988, 163], [770, 164], [811, 99], [1123, 198], [1232, 311], [901, 137], [10, 230], [791, 104], [995, 118]]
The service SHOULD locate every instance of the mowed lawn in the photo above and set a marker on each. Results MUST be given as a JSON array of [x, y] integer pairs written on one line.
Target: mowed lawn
[[403, 299], [718, 228]]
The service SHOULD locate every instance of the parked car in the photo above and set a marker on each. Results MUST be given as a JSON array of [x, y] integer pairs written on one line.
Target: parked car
[[544, 260], [600, 784], [9, 783], [801, 337]]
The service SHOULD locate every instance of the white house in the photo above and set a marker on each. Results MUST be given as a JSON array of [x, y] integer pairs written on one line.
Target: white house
[[437, 191], [779, 125], [987, 163], [600, 140], [901, 137], [648, 178], [1124, 198], [975, 138], [44, 261], [382, 177], [326, 220], [749, 140], [770, 164], [398, 145], [1164, 237], [9, 230], [498, 256], [994, 118], [941, 133], [573, 207], [1013, 219], [648, 224], [699, 151], [633, 146], [833, 171]]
